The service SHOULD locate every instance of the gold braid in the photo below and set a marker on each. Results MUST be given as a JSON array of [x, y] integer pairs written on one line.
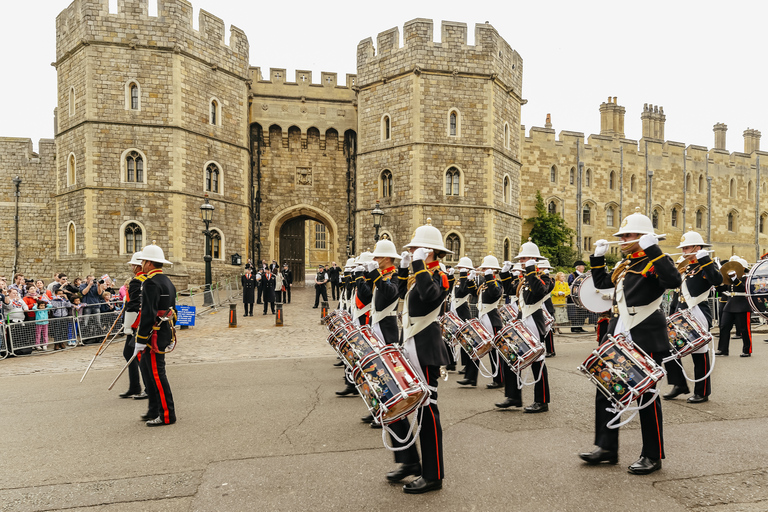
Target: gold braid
[[619, 271]]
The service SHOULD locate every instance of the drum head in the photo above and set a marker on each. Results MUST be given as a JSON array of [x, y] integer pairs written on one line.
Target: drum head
[[592, 299], [757, 288]]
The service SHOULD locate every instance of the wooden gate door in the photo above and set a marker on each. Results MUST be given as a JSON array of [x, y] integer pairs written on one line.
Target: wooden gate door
[[292, 247]]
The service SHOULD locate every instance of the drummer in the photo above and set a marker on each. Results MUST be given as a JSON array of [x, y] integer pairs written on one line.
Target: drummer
[[737, 311], [699, 276], [423, 344], [462, 291], [544, 267], [640, 280]]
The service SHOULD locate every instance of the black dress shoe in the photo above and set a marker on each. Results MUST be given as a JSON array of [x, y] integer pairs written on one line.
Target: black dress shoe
[[349, 390], [450, 368], [696, 399], [403, 471], [466, 382], [598, 455], [745, 355], [367, 419], [128, 394], [375, 425], [644, 466], [338, 363], [721, 353], [464, 370], [147, 417], [509, 402], [549, 354], [141, 396], [159, 422], [420, 485], [537, 407], [677, 391], [494, 385]]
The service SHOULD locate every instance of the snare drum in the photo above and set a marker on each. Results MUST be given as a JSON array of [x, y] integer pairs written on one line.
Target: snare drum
[[357, 345], [621, 371], [586, 296], [686, 335], [475, 339], [451, 323], [389, 385], [518, 346], [508, 313], [336, 319], [336, 337], [757, 288], [549, 320]]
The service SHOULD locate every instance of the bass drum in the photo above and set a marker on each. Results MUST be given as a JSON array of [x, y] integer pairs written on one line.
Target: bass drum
[[586, 296], [757, 288]]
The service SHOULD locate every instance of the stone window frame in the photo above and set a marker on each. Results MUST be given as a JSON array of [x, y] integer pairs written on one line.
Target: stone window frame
[[321, 236], [731, 187], [221, 243], [588, 178], [123, 249], [674, 215], [461, 181], [454, 111], [558, 204], [72, 101], [613, 208], [612, 180], [71, 169], [701, 183], [732, 221], [71, 239], [762, 222], [660, 213], [632, 183], [572, 176], [750, 191], [688, 181], [128, 99], [386, 235], [124, 167], [592, 218], [220, 192], [386, 127], [506, 189], [699, 218], [456, 254], [214, 102], [507, 138], [506, 249], [386, 191], [553, 174]]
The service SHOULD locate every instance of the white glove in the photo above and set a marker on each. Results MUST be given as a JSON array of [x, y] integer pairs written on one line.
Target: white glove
[[371, 266], [601, 247], [405, 259], [472, 274], [451, 271], [421, 254], [701, 254], [516, 273], [138, 347], [507, 266], [359, 268], [561, 293], [647, 240], [530, 264], [489, 271], [732, 273], [545, 271]]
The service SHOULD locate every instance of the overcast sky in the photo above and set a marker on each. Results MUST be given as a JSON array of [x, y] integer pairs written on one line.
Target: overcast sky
[[703, 61]]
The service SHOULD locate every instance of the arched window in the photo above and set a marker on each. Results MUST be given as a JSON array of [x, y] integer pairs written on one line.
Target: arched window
[[71, 238], [133, 238], [320, 236], [506, 190], [609, 215], [553, 174], [588, 178], [731, 224], [453, 123], [71, 101], [552, 208], [506, 135], [386, 127], [71, 166], [612, 180], [655, 219], [386, 183], [215, 112], [586, 215], [331, 140], [749, 190], [699, 219], [216, 252], [452, 177], [762, 223], [134, 167], [212, 173], [507, 250], [674, 217], [731, 188], [275, 137], [133, 91], [701, 183], [632, 183], [453, 243], [688, 182], [571, 176]]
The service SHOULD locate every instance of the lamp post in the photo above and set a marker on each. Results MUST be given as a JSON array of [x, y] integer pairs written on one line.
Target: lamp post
[[206, 214], [17, 183], [377, 213]]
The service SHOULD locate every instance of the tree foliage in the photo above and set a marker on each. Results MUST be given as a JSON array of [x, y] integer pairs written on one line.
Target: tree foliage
[[553, 236]]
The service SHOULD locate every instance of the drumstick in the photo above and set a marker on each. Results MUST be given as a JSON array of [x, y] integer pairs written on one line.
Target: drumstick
[[624, 242], [692, 253], [122, 371]]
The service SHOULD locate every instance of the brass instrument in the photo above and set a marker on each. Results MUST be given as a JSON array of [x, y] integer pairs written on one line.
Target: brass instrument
[[732, 266]]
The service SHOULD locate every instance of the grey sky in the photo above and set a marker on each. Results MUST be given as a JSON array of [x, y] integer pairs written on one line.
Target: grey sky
[[702, 61]]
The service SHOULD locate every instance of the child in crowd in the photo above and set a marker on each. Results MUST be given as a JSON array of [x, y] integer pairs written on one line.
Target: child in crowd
[[41, 324], [15, 307], [61, 309], [76, 306], [30, 299]]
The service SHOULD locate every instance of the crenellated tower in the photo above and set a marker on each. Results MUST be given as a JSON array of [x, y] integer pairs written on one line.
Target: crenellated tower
[[439, 136]]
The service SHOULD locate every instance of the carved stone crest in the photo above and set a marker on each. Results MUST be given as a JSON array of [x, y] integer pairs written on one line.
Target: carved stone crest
[[303, 176]]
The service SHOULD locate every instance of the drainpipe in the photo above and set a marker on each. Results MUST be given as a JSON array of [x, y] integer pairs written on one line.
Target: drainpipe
[[685, 189], [757, 209], [621, 186], [579, 172]]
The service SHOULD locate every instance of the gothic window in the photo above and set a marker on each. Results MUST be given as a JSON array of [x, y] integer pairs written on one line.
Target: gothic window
[[632, 183], [552, 208], [71, 101], [749, 190], [506, 135], [588, 178], [71, 238], [507, 250], [331, 140], [212, 174], [275, 137], [216, 244], [452, 176], [319, 236], [655, 219], [571, 176], [134, 168], [612, 180], [553, 174], [688, 182], [453, 243], [674, 217], [133, 92], [586, 215], [699, 219], [609, 215], [133, 238], [730, 221], [762, 223], [71, 165], [386, 127], [731, 188], [453, 123], [215, 113], [506, 190], [386, 183], [701, 183]]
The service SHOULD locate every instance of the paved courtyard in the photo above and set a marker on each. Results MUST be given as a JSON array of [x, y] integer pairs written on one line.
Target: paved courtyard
[[260, 428]]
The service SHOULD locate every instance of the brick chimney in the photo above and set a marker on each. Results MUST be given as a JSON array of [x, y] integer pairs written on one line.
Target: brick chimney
[[720, 130], [653, 121], [751, 140], [612, 118]]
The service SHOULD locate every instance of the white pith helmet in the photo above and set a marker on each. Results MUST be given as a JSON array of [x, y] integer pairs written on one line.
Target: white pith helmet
[[442, 267], [365, 257], [635, 223], [153, 253], [529, 250], [466, 263], [428, 237], [350, 264], [744, 263], [517, 267], [692, 238], [490, 262], [734, 258], [543, 264], [385, 249], [135, 259]]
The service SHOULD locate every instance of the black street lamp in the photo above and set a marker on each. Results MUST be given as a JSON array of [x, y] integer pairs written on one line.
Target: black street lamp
[[17, 182], [377, 213], [206, 213]]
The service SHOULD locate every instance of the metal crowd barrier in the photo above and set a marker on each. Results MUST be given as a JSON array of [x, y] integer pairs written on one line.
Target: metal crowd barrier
[[219, 293], [3, 346], [97, 325], [25, 337]]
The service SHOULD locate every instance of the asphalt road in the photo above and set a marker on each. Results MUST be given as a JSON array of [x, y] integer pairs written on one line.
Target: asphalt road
[[260, 428]]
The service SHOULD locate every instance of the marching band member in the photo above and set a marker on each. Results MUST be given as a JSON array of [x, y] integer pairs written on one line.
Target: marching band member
[[423, 345], [640, 282], [737, 311], [132, 309], [699, 276], [460, 295], [549, 339]]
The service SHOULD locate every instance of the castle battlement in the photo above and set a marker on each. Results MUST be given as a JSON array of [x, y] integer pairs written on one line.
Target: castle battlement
[[490, 56], [86, 22], [278, 77]]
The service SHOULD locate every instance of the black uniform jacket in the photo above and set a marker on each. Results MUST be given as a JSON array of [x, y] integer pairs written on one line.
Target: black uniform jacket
[[650, 273], [287, 278], [509, 283], [735, 304], [428, 293], [349, 285], [268, 287], [490, 294], [134, 293], [157, 294], [249, 286], [550, 286], [465, 287], [387, 292], [532, 290], [363, 296], [700, 277]]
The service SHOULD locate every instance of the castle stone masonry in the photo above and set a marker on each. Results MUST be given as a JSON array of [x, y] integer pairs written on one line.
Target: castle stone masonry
[[154, 115]]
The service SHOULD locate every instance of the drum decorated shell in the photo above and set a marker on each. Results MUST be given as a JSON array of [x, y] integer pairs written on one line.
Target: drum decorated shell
[[757, 288]]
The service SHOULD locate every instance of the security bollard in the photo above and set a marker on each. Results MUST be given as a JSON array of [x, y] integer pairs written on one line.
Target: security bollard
[[279, 314], [323, 309], [233, 315]]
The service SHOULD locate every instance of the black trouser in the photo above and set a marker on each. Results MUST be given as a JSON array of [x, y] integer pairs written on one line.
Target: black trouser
[[335, 285], [741, 320], [701, 364], [271, 304], [540, 389], [549, 342], [134, 384], [320, 291], [472, 368], [158, 389], [259, 291], [430, 437], [248, 308], [287, 293], [651, 422]]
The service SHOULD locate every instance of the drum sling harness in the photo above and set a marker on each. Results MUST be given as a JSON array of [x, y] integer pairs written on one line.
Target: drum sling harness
[[378, 316], [638, 314], [692, 301]]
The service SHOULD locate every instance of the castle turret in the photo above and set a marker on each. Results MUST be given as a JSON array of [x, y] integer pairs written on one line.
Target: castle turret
[[653, 121], [612, 118], [751, 140], [720, 129]]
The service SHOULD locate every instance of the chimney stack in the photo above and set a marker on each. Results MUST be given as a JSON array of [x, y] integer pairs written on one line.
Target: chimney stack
[[720, 129], [548, 124], [751, 141], [653, 119], [612, 118]]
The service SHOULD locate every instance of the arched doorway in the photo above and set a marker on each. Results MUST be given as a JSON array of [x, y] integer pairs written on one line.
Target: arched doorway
[[292, 247], [304, 236]]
